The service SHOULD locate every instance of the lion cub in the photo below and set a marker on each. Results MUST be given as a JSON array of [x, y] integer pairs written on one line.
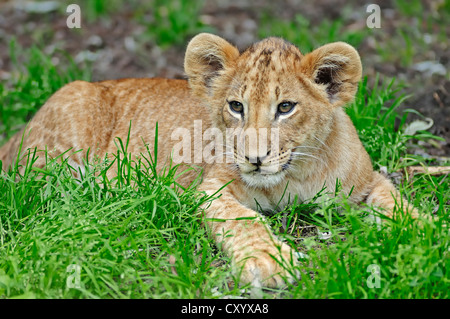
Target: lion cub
[[291, 102]]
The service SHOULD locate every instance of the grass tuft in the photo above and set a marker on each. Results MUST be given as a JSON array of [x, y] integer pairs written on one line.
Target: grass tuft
[[90, 237]]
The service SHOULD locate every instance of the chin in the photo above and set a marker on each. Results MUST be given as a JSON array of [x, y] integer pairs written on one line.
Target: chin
[[258, 180]]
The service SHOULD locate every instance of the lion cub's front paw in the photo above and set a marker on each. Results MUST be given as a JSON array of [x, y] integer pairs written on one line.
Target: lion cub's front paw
[[269, 266]]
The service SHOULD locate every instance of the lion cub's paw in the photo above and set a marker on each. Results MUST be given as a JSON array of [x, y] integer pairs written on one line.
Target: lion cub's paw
[[269, 267]]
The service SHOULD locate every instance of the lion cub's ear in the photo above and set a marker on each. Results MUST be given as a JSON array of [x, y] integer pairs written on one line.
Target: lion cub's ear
[[337, 67], [206, 56]]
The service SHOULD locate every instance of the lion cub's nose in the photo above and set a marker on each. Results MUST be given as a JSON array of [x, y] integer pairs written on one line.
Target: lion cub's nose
[[257, 160]]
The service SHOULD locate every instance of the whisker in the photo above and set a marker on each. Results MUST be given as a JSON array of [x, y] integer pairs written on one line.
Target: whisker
[[307, 146], [321, 142], [305, 154], [299, 154]]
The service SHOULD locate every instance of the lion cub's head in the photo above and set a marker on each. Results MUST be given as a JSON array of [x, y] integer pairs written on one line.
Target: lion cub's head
[[271, 90]]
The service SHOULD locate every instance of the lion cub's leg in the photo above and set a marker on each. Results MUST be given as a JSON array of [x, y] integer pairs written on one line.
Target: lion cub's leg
[[385, 195], [257, 256]]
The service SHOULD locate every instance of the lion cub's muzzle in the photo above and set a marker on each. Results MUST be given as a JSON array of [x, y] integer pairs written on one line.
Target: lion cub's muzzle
[[270, 163], [262, 171], [258, 155]]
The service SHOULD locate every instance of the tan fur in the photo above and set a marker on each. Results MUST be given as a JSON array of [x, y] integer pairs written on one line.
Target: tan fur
[[317, 145]]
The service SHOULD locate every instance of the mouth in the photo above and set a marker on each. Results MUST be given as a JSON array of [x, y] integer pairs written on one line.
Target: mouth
[[263, 179], [263, 176], [274, 168]]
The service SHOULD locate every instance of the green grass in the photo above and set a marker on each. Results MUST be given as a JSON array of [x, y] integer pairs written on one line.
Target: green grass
[[174, 22], [381, 128], [412, 258], [165, 22], [403, 44], [92, 10], [121, 237], [308, 36]]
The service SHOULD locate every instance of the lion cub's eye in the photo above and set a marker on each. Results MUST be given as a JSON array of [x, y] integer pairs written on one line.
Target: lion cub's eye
[[236, 106], [286, 107]]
